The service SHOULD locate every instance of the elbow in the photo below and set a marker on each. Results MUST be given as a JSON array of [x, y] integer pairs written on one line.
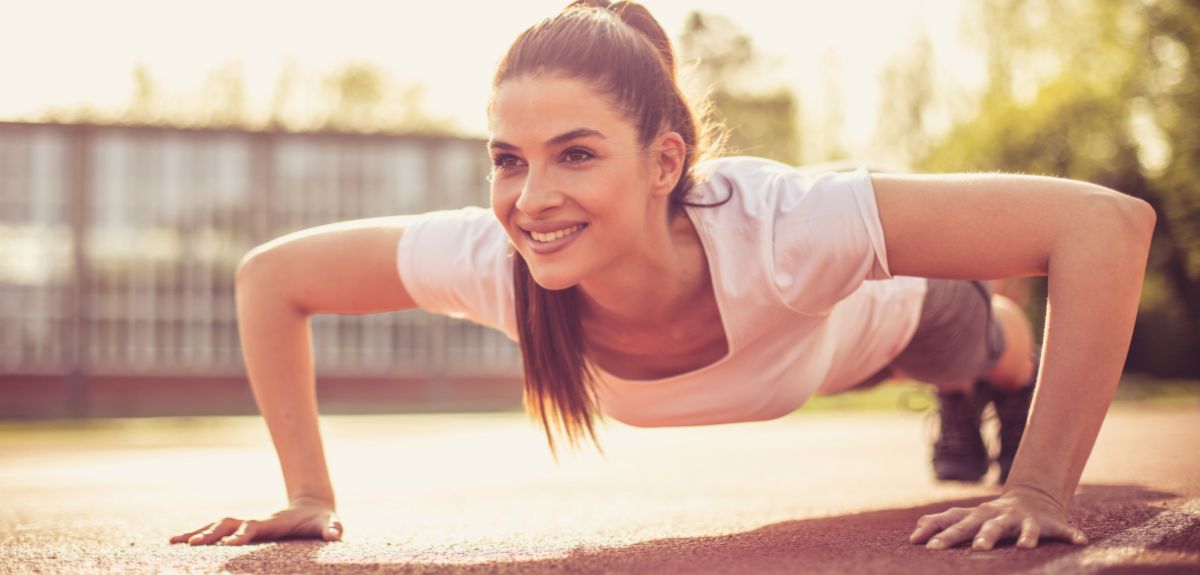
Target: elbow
[[1139, 217], [258, 276], [243, 267], [1121, 214], [1149, 215], [252, 265]]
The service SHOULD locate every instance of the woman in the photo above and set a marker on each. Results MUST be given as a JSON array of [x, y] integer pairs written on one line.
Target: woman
[[663, 288]]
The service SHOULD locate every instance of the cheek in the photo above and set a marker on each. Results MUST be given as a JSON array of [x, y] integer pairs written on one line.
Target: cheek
[[503, 197], [502, 204], [499, 205], [620, 216]]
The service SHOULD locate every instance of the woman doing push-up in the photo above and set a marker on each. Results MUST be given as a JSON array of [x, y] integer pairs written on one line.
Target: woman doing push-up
[[648, 279]]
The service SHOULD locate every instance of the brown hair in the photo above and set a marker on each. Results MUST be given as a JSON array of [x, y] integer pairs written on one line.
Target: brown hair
[[621, 51]]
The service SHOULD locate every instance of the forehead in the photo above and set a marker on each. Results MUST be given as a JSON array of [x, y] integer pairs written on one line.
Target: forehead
[[530, 110]]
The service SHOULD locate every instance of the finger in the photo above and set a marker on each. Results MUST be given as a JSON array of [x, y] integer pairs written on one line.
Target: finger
[[1029, 533], [992, 531], [1079, 537], [218, 530], [929, 524], [185, 536], [244, 534], [956, 533], [333, 532], [1065, 532]]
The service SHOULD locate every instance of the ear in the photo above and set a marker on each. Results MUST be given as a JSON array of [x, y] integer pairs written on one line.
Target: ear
[[667, 155]]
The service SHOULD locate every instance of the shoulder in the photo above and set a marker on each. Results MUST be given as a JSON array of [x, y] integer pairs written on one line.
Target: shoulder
[[765, 189], [743, 170], [468, 240], [459, 263], [467, 216], [743, 186], [470, 228]]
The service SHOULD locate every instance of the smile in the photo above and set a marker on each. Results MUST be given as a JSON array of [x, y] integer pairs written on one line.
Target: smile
[[549, 237], [548, 243]]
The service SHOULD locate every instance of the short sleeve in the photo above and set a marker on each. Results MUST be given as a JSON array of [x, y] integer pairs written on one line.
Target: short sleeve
[[827, 238], [458, 263]]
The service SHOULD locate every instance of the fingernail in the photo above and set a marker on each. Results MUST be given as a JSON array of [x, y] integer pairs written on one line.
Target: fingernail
[[934, 544]]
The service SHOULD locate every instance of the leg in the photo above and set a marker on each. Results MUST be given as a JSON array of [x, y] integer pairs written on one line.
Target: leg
[[1014, 369], [956, 339], [1012, 377]]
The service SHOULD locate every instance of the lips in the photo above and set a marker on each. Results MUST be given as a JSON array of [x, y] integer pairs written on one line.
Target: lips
[[558, 239], [548, 237]]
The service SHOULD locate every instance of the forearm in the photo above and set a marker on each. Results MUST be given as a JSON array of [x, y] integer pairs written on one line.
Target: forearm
[[1095, 282], [277, 347]]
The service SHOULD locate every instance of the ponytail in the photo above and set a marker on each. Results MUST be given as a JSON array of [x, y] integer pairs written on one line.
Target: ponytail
[[621, 51]]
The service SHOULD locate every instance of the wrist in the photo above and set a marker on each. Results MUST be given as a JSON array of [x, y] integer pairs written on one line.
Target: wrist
[[312, 500], [1026, 490]]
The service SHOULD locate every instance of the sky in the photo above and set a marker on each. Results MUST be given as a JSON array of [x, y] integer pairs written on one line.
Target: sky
[[59, 53]]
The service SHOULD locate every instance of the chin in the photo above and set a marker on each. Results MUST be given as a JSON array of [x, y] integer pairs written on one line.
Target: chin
[[554, 283], [553, 280]]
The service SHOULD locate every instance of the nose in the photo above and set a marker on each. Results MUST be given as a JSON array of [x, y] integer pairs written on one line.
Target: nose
[[538, 193]]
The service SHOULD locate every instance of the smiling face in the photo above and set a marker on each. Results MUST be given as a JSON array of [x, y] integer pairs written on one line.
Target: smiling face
[[570, 183]]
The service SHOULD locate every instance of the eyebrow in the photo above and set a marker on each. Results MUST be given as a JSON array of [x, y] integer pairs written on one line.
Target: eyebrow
[[556, 140]]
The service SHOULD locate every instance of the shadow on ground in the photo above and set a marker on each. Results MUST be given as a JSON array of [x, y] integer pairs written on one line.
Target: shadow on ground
[[869, 542]]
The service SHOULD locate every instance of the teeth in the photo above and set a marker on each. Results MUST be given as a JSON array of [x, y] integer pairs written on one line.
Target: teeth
[[543, 238]]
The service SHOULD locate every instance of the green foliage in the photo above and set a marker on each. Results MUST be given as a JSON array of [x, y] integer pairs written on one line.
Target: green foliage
[[762, 124], [358, 97], [761, 121], [1114, 102], [363, 98]]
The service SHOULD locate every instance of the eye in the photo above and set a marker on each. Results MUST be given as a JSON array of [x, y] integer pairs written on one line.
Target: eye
[[504, 161], [577, 155]]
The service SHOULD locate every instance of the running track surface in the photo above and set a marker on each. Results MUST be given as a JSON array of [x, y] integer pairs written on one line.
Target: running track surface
[[478, 493]]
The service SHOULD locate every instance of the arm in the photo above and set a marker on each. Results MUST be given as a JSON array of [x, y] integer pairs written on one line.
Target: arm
[[1093, 243], [346, 268]]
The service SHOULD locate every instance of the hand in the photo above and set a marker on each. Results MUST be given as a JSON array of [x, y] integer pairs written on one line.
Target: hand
[[1024, 513], [303, 519]]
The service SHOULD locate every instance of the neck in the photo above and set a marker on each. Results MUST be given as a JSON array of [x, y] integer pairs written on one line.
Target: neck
[[624, 299]]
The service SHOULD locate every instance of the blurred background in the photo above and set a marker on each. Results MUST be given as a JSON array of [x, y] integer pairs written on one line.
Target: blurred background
[[146, 146]]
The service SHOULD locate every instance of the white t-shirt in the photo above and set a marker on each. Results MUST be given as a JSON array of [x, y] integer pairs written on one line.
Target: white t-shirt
[[789, 255]]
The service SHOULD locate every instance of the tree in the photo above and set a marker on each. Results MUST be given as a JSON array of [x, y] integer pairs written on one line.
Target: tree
[[1110, 99], [907, 82], [144, 105], [762, 120], [223, 98], [363, 97], [358, 97]]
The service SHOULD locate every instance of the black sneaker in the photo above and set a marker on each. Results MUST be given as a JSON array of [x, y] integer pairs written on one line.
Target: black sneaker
[[1012, 409], [959, 453]]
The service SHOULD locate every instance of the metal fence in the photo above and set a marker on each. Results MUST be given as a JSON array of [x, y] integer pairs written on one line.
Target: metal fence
[[118, 246]]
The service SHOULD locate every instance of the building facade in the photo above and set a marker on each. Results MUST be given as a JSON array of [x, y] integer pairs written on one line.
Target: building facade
[[120, 245]]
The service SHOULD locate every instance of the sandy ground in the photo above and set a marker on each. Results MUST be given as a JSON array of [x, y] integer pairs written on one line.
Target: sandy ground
[[821, 492]]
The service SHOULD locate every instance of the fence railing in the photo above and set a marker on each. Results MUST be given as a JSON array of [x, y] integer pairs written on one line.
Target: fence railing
[[118, 246]]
